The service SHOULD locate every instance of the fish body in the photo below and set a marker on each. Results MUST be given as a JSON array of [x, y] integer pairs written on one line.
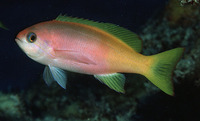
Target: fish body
[[100, 49], [83, 49]]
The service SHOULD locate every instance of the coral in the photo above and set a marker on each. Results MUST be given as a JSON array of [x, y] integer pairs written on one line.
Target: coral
[[181, 15], [92, 100], [193, 2], [11, 106]]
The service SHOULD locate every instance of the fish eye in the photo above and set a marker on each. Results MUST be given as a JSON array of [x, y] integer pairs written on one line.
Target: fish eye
[[31, 37]]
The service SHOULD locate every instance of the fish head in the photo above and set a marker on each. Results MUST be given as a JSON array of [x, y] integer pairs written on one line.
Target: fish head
[[35, 42]]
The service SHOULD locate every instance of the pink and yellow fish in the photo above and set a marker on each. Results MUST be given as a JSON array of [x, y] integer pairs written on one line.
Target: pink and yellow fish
[[100, 49]]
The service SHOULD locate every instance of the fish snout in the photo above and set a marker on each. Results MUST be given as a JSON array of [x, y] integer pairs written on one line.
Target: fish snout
[[17, 39]]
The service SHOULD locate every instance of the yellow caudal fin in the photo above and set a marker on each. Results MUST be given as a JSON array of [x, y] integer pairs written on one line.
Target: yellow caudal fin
[[161, 69]]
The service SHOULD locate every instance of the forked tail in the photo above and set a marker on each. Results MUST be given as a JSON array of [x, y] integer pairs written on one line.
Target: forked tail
[[161, 69]]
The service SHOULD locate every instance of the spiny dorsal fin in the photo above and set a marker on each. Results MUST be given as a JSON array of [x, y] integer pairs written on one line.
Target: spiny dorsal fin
[[128, 37]]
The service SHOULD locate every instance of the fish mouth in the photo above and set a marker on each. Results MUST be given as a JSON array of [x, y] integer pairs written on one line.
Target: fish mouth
[[17, 39]]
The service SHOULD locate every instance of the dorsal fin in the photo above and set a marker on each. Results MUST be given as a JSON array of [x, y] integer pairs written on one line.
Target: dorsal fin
[[128, 37]]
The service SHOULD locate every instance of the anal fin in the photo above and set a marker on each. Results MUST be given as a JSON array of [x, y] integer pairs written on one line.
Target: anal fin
[[114, 81]]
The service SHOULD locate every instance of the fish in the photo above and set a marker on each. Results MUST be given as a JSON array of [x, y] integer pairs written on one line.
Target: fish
[[3, 26], [104, 50]]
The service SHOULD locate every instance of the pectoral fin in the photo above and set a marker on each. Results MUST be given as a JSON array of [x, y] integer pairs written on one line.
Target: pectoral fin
[[74, 56], [115, 81], [55, 74]]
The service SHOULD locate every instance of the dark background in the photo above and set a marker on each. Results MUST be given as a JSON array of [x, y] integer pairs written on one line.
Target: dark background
[[17, 70]]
